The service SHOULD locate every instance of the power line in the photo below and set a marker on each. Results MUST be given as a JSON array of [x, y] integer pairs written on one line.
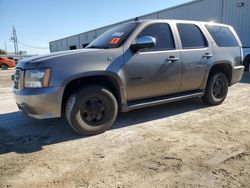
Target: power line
[[30, 46], [16, 42]]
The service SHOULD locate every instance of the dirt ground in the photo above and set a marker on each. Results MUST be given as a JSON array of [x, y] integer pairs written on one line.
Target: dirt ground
[[184, 144]]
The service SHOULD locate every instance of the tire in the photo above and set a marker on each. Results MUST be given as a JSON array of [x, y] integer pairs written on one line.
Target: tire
[[91, 110], [247, 63], [217, 89], [4, 67]]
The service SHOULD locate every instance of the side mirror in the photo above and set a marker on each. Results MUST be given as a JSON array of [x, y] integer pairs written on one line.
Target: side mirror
[[143, 42]]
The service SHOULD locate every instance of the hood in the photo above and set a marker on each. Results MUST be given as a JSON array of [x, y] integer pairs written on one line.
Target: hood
[[32, 62], [36, 59]]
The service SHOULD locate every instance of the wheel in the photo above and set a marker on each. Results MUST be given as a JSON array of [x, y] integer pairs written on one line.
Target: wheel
[[91, 110], [4, 67], [247, 63], [217, 89]]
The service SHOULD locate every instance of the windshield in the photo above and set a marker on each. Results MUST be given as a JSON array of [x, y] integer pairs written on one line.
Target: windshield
[[114, 37]]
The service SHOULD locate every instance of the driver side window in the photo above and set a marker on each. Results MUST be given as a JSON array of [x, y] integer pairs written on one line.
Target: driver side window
[[163, 35]]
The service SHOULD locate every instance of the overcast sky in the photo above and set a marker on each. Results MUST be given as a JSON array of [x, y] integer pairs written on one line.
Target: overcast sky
[[39, 21]]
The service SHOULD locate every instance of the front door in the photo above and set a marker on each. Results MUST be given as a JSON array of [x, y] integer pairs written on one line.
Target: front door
[[156, 71]]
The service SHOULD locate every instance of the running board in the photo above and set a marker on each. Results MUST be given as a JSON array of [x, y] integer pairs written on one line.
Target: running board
[[162, 100]]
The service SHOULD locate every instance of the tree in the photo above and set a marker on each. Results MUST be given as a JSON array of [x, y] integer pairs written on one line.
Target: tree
[[2, 52]]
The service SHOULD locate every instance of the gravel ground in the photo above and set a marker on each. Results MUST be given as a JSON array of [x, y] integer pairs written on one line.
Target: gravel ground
[[183, 144]]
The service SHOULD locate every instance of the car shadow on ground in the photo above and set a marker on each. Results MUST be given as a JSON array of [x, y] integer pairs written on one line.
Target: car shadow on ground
[[21, 134]]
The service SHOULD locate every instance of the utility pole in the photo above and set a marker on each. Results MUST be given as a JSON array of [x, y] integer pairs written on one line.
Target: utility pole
[[14, 39], [5, 47]]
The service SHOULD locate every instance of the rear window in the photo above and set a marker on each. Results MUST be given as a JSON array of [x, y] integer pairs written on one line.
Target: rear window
[[191, 36], [222, 36]]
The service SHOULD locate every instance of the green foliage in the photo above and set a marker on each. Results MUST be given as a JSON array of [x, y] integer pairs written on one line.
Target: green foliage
[[2, 52]]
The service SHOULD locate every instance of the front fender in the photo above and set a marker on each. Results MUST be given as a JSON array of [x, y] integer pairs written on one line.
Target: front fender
[[110, 74]]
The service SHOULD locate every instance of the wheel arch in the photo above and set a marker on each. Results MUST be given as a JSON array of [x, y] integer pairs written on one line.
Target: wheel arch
[[225, 68], [107, 79]]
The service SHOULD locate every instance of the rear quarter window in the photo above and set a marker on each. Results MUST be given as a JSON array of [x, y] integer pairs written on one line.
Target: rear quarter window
[[222, 36]]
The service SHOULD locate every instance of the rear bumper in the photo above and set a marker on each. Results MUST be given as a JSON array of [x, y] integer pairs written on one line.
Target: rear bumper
[[40, 103], [237, 74]]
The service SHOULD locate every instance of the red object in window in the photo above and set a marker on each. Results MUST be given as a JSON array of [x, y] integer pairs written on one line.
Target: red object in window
[[114, 41]]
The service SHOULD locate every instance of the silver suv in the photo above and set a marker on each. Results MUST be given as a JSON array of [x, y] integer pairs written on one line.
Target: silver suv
[[134, 65]]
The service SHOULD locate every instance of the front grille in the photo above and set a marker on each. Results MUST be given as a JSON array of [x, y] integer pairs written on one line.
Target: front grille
[[18, 79]]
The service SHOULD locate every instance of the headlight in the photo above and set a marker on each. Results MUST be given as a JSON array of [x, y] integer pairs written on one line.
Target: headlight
[[37, 78]]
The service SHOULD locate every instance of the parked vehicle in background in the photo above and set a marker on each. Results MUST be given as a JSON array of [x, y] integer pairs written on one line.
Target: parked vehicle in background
[[11, 58], [6, 63], [134, 65]]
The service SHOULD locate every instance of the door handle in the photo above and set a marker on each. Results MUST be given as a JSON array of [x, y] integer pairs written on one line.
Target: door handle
[[207, 55], [172, 59]]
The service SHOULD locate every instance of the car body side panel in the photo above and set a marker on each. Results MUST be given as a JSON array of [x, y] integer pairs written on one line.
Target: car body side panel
[[149, 74], [194, 68], [229, 55], [194, 64], [82, 64]]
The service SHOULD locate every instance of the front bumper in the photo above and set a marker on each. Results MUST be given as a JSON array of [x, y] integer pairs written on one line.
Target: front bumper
[[237, 74], [40, 103]]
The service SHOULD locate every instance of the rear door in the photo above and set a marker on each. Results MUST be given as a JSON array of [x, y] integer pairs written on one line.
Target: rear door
[[196, 54]]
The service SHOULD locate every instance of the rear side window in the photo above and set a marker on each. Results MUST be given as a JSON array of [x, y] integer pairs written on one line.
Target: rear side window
[[222, 36], [191, 36], [163, 35]]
